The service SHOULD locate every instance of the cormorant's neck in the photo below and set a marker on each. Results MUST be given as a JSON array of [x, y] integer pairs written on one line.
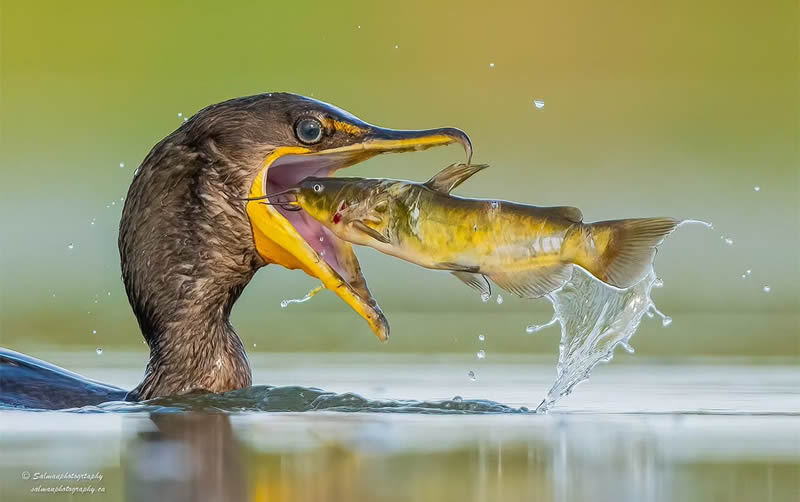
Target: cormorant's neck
[[187, 253], [195, 348]]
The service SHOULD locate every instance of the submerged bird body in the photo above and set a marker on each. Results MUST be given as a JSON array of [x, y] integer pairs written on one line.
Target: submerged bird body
[[524, 249]]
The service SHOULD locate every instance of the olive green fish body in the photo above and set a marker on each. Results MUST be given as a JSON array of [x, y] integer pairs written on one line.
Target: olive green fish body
[[528, 250]]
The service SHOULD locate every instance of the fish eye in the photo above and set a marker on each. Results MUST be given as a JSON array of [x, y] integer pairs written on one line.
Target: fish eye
[[308, 130], [317, 187]]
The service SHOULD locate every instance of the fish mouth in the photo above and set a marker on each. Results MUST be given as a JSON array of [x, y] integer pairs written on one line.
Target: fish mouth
[[295, 240]]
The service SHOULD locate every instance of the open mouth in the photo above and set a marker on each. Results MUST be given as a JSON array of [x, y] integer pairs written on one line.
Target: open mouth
[[288, 171], [295, 240]]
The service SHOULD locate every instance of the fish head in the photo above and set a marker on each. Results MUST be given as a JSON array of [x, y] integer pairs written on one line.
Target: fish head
[[348, 207]]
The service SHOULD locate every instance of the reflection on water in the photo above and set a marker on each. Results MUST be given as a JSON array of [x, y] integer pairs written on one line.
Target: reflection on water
[[336, 457], [640, 432], [189, 457]]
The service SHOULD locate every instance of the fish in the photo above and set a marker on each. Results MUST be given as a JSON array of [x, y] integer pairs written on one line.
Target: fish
[[527, 250]]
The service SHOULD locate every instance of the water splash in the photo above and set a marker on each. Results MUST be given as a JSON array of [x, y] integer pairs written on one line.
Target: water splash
[[481, 354], [309, 295], [594, 319], [538, 103]]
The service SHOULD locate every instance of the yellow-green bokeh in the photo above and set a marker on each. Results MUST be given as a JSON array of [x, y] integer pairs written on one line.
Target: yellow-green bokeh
[[670, 108]]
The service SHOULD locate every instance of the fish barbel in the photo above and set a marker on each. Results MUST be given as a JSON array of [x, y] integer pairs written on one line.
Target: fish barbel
[[527, 250]]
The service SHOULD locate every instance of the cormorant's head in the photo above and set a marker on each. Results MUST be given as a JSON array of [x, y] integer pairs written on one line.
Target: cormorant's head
[[251, 147], [315, 139]]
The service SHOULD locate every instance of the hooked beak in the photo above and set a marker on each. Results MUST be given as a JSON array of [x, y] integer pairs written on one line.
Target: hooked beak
[[296, 241]]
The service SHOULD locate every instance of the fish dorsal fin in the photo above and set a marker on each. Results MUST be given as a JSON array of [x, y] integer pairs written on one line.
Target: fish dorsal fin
[[452, 176], [570, 213]]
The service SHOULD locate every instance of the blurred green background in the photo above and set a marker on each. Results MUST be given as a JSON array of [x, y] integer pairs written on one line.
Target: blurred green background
[[671, 108]]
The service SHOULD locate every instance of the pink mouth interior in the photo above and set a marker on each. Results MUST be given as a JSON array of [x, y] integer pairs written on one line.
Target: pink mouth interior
[[285, 173]]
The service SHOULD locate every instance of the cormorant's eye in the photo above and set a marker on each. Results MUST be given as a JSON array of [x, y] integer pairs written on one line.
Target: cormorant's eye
[[308, 130], [317, 187]]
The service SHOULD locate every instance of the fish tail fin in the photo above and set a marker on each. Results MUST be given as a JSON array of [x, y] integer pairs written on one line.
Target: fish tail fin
[[620, 252]]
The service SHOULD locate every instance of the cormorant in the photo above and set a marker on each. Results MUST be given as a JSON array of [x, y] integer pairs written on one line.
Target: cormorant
[[190, 241]]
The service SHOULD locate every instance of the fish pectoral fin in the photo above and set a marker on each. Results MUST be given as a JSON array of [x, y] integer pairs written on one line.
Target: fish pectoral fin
[[360, 225], [453, 175], [456, 267], [534, 282], [475, 281]]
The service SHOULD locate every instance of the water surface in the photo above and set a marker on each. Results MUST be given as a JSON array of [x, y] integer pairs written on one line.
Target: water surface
[[641, 430]]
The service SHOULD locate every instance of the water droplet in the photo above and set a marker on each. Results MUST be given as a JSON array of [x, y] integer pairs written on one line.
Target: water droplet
[[499, 299], [481, 354], [121, 164], [99, 351], [109, 293], [136, 172], [485, 297], [254, 345], [767, 289], [538, 103], [321, 238], [458, 399], [748, 271], [481, 337], [495, 204], [744, 276], [185, 119], [180, 115], [322, 252], [95, 300], [491, 65], [396, 46], [658, 283], [359, 26], [757, 188], [472, 376], [534, 328], [70, 246], [94, 331], [284, 304], [113, 203], [729, 241], [666, 321]]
